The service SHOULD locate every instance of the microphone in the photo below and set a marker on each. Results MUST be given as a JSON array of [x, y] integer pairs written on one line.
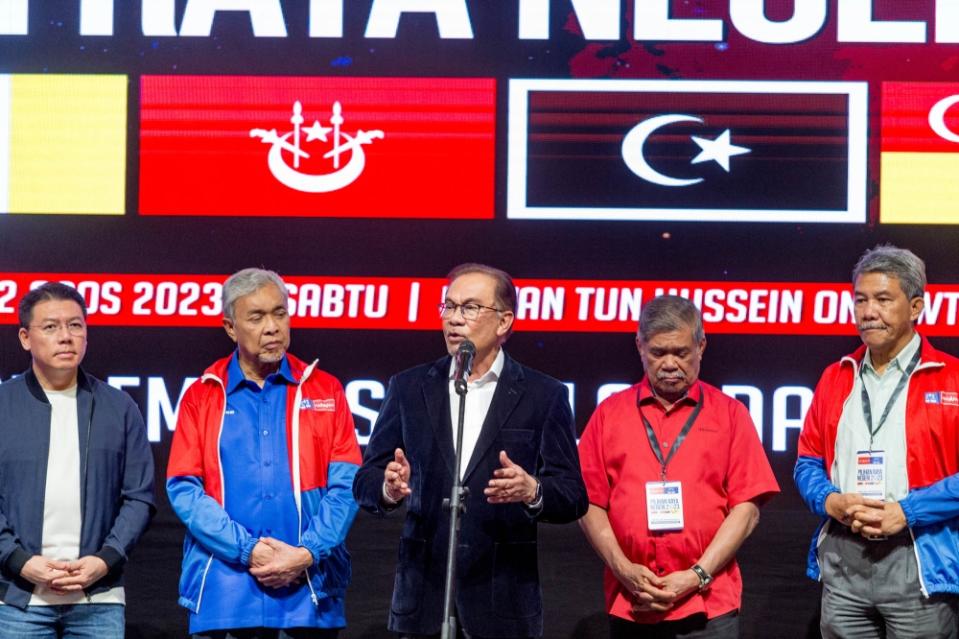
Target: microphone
[[464, 365]]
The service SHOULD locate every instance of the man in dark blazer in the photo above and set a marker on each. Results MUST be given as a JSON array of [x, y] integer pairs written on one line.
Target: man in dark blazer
[[520, 466]]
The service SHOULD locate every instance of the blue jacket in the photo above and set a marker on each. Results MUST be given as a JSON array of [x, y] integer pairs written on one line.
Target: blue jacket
[[116, 470], [932, 461], [324, 458], [497, 589]]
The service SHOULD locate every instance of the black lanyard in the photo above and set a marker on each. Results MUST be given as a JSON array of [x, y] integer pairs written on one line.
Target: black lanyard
[[654, 441], [867, 406]]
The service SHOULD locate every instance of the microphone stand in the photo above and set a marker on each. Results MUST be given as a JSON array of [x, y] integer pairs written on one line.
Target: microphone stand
[[456, 503]]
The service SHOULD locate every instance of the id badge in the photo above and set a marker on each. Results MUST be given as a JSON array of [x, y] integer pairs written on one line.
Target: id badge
[[664, 505], [871, 474]]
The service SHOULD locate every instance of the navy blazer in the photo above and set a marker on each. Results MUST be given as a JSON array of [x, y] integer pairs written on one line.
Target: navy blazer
[[497, 577]]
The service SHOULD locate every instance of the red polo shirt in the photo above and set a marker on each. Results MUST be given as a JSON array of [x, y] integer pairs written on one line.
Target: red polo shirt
[[721, 463]]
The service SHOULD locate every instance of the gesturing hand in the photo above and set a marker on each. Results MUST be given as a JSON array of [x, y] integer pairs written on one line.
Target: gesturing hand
[[396, 477], [510, 484]]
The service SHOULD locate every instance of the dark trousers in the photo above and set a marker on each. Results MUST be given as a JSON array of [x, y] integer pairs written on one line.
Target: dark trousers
[[270, 633], [460, 634], [692, 627]]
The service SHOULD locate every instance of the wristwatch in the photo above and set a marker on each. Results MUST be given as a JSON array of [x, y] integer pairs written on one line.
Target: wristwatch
[[704, 577]]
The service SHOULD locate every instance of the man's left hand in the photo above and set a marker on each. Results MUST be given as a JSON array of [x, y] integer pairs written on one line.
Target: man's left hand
[[510, 483], [286, 566], [879, 522], [677, 584], [83, 572]]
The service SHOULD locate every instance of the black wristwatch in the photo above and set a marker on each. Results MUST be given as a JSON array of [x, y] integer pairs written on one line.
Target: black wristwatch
[[704, 577]]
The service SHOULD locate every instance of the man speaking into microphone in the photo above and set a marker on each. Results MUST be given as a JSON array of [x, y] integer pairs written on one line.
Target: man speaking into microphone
[[519, 466]]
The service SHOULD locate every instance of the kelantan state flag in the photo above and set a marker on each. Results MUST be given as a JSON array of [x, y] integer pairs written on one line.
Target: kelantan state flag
[[325, 147], [920, 153]]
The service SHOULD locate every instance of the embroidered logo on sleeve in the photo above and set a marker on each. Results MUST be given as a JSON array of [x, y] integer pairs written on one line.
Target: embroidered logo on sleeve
[[319, 405]]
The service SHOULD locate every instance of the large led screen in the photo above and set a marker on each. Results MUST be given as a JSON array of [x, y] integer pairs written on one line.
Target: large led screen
[[740, 153]]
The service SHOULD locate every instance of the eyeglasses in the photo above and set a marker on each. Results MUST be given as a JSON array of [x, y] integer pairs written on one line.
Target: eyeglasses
[[76, 328], [469, 311]]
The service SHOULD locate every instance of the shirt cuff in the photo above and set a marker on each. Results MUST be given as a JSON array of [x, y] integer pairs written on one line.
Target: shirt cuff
[[388, 501], [537, 504], [248, 550]]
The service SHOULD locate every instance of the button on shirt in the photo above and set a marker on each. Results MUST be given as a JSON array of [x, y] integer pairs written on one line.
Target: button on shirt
[[479, 396], [721, 463], [258, 493], [853, 434]]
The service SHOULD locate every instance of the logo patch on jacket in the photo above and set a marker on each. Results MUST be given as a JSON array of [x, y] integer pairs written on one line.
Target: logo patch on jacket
[[319, 405], [946, 398]]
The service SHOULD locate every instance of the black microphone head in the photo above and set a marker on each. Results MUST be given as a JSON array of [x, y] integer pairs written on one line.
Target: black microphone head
[[466, 348]]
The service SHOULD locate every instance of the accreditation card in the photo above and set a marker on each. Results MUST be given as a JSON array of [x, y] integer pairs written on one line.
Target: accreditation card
[[664, 505], [871, 474]]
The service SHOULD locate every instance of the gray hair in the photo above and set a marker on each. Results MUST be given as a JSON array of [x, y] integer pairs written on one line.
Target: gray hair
[[896, 262], [668, 313], [248, 281]]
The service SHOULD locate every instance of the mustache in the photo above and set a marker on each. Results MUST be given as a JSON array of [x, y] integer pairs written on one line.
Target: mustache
[[671, 375], [871, 325]]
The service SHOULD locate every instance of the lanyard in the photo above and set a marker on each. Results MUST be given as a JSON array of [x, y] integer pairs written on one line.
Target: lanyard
[[654, 441], [867, 405]]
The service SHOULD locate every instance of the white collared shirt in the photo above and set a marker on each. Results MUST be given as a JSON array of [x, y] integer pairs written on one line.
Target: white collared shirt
[[853, 435], [479, 396]]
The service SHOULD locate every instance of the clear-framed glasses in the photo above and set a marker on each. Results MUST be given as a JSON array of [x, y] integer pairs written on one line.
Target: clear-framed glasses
[[76, 328], [469, 311]]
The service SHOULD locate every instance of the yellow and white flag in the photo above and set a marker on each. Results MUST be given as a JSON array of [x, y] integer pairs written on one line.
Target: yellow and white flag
[[63, 144]]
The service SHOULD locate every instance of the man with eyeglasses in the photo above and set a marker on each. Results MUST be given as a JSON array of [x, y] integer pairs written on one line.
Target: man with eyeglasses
[[76, 481], [520, 467]]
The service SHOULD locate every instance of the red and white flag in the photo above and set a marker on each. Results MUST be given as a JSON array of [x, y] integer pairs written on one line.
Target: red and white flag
[[324, 147]]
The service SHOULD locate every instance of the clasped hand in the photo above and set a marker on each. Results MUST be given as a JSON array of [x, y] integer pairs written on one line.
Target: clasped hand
[[865, 516], [64, 577], [653, 593], [276, 564]]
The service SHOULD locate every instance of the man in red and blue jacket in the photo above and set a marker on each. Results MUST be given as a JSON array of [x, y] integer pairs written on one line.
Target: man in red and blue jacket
[[260, 471], [878, 460]]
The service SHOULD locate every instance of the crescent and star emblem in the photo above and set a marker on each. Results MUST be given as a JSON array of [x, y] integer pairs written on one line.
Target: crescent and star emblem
[[718, 150], [340, 177], [937, 118]]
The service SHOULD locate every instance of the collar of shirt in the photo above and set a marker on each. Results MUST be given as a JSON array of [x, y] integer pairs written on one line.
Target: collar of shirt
[[491, 375], [647, 396], [235, 377], [899, 362]]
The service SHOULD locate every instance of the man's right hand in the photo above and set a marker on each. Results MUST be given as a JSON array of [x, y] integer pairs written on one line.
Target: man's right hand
[[41, 571], [647, 589], [396, 477], [843, 506]]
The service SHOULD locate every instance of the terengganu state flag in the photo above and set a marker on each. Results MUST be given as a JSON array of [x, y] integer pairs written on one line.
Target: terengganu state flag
[[313, 146], [63, 143], [688, 150], [919, 166]]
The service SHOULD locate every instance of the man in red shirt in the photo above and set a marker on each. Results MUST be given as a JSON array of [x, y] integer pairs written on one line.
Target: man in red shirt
[[675, 474]]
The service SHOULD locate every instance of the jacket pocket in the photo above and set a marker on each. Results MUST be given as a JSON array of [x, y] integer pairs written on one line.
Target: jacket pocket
[[516, 434], [516, 593], [332, 576], [196, 564], [410, 575]]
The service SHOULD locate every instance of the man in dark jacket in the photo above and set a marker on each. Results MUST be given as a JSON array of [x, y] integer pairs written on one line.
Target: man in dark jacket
[[76, 481], [519, 463]]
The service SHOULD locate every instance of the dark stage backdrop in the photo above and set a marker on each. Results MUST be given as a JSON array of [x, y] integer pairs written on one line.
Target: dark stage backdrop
[[738, 152]]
